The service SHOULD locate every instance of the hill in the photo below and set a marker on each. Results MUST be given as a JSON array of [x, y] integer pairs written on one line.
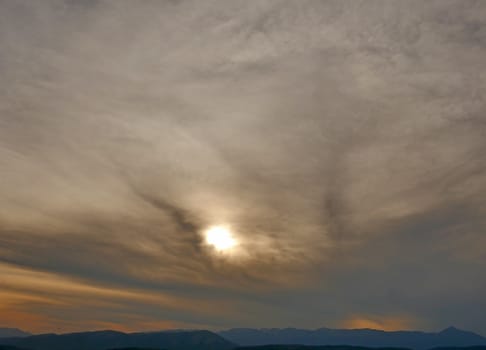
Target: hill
[[135, 349], [6, 347], [342, 347], [101, 340], [12, 332], [449, 337], [309, 347]]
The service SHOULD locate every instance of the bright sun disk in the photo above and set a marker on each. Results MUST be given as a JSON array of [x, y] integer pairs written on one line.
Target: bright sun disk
[[220, 238]]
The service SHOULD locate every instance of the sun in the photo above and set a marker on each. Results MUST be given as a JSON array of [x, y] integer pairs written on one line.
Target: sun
[[220, 238]]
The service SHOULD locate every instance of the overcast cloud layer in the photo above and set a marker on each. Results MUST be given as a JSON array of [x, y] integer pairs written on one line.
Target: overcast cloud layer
[[342, 141]]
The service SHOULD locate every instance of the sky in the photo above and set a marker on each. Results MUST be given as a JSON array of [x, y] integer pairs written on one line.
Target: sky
[[340, 143]]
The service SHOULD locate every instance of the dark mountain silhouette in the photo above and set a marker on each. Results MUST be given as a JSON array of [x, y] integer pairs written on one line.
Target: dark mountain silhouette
[[254, 339], [329, 347], [6, 347], [462, 348], [449, 337], [133, 349], [343, 347], [310, 347], [101, 340], [454, 336], [12, 332]]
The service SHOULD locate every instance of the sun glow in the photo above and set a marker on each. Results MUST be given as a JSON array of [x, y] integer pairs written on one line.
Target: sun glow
[[220, 238]]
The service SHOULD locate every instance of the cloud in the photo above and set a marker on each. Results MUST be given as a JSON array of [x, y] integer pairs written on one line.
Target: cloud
[[386, 323], [342, 142]]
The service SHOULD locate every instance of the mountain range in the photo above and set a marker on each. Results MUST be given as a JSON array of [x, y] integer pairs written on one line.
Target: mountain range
[[244, 339], [12, 332], [356, 337], [101, 340]]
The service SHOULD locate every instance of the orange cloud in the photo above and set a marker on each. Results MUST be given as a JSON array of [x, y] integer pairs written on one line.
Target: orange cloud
[[386, 323], [46, 302], [25, 320]]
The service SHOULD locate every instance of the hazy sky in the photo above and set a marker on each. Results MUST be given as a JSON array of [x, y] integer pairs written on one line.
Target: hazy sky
[[342, 142]]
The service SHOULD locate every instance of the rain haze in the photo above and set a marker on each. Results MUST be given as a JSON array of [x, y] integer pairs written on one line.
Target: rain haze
[[217, 164]]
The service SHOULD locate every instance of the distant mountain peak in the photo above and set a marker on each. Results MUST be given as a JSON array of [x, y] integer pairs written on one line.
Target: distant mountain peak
[[451, 329], [460, 333], [12, 333]]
